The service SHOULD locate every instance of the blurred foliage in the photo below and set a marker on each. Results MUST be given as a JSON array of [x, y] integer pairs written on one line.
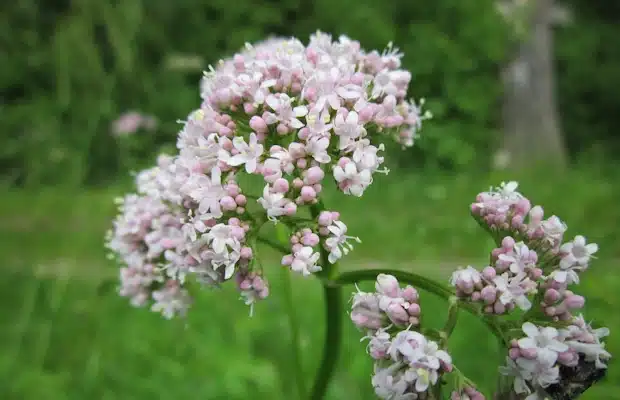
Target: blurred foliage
[[72, 67]]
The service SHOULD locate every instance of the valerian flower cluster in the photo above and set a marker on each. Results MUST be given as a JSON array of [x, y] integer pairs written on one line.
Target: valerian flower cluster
[[530, 272], [290, 114]]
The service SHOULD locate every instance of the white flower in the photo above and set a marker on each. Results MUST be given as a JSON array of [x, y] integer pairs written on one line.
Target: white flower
[[509, 190], [382, 84], [577, 252], [468, 276], [512, 369], [305, 261], [219, 237], [422, 355], [353, 182], [170, 301], [207, 192], [518, 259], [273, 203], [227, 259], [366, 157], [553, 229], [512, 290], [249, 153], [545, 340], [582, 338], [337, 243], [318, 123], [348, 129], [285, 112], [286, 161], [379, 344], [390, 384], [317, 147], [542, 372]]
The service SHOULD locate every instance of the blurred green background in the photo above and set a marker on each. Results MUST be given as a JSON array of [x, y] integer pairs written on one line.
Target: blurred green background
[[71, 68]]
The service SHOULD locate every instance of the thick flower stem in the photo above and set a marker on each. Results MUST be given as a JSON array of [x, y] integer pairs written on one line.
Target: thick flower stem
[[423, 283], [333, 319], [295, 341], [283, 235], [333, 338]]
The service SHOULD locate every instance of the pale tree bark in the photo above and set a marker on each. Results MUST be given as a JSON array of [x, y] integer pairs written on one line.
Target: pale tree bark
[[532, 133]]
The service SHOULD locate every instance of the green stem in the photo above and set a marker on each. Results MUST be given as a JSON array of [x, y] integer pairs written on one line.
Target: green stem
[[331, 347], [333, 320], [294, 327], [283, 234], [453, 314], [423, 283]]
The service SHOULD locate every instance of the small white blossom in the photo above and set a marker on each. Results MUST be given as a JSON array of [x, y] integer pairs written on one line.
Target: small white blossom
[[249, 153], [305, 260], [338, 243]]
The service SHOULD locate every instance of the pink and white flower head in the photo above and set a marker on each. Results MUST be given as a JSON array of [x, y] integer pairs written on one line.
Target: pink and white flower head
[[293, 115], [407, 364]]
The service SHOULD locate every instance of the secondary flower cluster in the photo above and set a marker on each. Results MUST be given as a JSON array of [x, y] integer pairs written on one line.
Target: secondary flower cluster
[[535, 360], [407, 364], [292, 116], [533, 267]]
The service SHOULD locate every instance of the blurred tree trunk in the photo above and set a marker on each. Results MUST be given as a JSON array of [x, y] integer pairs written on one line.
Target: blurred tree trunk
[[532, 133]]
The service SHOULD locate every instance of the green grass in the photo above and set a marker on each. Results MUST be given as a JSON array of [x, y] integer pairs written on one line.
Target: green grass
[[67, 335]]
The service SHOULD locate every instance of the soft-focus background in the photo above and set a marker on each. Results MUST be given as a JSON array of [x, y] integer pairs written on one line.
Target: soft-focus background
[[520, 90]]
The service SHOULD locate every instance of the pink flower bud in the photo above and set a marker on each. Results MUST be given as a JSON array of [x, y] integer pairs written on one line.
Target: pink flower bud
[[410, 294], [568, 358], [287, 260], [290, 209], [508, 243], [302, 163], [228, 203], [489, 273], [297, 150], [523, 206], [488, 294], [414, 309], [246, 252], [281, 185], [308, 193], [311, 239], [314, 175], [397, 314], [552, 296], [241, 200], [282, 129], [258, 124], [237, 232], [298, 183], [575, 302], [249, 108], [387, 285], [325, 218]]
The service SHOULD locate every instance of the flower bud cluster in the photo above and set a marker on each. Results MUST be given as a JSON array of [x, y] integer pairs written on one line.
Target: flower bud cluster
[[407, 363]]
